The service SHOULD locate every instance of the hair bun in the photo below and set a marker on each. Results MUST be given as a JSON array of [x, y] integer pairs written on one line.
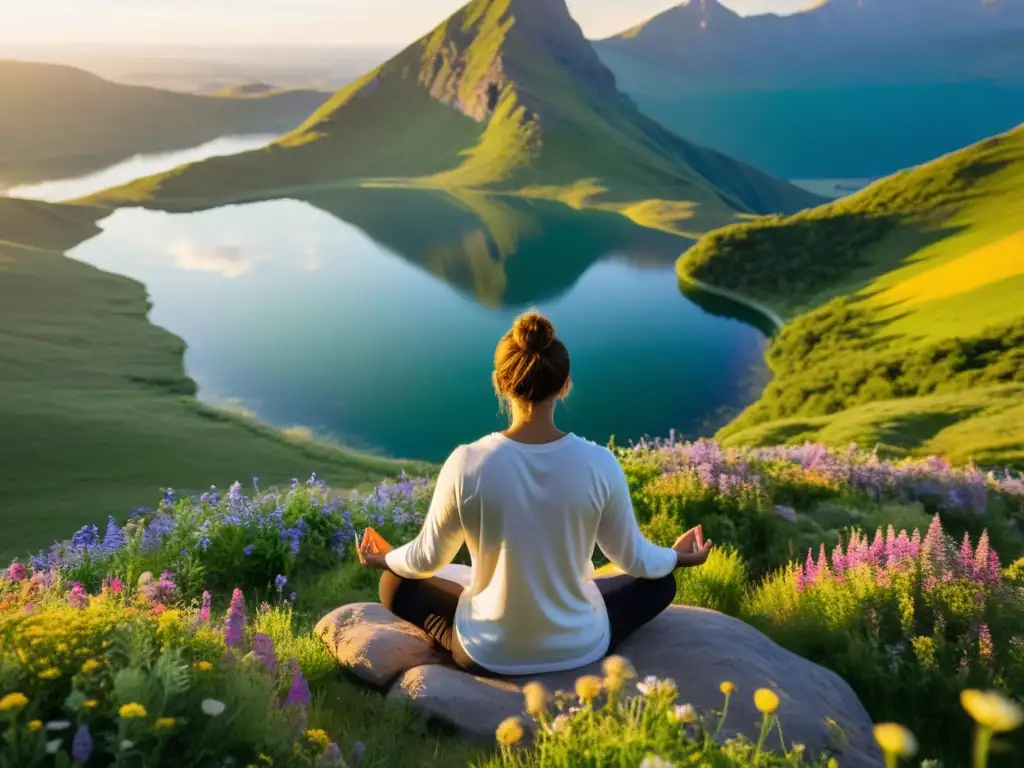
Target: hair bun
[[533, 332]]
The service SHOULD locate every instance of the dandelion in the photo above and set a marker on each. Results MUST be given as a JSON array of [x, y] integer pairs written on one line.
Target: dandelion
[[536, 696], [766, 701], [131, 711], [81, 745], [588, 687], [832, 763], [165, 723], [682, 713], [618, 668], [213, 708], [992, 710], [13, 702], [509, 732], [895, 741], [35, 725], [727, 688]]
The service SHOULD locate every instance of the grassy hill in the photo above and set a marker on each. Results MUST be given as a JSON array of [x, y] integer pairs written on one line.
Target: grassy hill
[[905, 305], [52, 115], [506, 96], [95, 407]]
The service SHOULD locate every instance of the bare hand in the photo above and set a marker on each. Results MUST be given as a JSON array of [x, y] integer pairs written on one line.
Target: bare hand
[[370, 553], [691, 549]]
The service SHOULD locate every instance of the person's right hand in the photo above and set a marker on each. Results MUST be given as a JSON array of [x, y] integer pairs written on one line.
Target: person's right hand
[[691, 549]]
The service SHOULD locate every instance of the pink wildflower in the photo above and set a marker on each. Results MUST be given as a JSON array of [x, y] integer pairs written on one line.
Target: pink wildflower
[[78, 598], [934, 547], [16, 572], [204, 611], [876, 551], [965, 558], [984, 641]]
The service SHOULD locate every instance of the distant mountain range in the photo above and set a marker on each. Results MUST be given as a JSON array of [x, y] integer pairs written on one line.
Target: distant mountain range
[[848, 88], [58, 120], [507, 96]]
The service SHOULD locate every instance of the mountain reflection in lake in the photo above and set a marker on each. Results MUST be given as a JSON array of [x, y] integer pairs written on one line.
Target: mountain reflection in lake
[[371, 315]]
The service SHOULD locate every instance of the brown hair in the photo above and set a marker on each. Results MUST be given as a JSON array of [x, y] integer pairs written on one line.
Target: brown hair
[[531, 364]]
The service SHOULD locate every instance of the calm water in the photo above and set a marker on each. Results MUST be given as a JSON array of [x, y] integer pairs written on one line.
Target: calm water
[[371, 316], [137, 167]]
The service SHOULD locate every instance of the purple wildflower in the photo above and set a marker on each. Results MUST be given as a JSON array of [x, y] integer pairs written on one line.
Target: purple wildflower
[[249, 549], [78, 598], [263, 649], [234, 623], [81, 746], [16, 572], [810, 570], [280, 581], [332, 753], [298, 694], [358, 750]]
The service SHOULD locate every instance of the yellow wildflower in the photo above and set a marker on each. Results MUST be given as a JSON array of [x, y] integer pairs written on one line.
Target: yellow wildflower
[[727, 688], [130, 711], [536, 696], [203, 666], [766, 701], [50, 674], [832, 763], [509, 732], [894, 739], [165, 723], [90, 666], [90, 703], [618, 668], [992, 710], [588, 687], [35, 725], [318, 737], [13, 702], [265, 759]]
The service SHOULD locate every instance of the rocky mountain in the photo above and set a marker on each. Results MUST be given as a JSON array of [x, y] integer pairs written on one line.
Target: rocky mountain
[[504, 95]]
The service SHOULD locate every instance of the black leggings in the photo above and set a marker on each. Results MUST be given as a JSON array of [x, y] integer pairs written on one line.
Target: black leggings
[[430, 604]]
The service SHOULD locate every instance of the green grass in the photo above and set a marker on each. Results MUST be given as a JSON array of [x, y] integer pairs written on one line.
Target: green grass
[[112, 121], [96, 411], [905, 308], [488, 102]]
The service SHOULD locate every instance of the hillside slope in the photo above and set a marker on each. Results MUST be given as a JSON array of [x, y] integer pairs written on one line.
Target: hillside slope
[[505, 95], [800, 95], [907, 307], [52, 114], [96, 412]]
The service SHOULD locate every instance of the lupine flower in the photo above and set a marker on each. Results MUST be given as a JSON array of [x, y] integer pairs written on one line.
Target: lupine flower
[[204, 611], [298, 694], [78, 598], [263, 649], [234, 623], [81, 746]]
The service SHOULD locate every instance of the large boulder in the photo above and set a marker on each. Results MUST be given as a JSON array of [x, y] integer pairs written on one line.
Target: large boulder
[[697, 648]]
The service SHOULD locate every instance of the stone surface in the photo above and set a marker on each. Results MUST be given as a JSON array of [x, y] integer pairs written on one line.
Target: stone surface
[[373, 644], [698, 649]]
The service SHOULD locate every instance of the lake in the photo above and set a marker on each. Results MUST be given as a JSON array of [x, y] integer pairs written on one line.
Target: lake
[[370, 316], [136, 167]]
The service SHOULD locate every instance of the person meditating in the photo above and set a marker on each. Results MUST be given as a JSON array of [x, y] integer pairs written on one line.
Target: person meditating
[[530, 503]]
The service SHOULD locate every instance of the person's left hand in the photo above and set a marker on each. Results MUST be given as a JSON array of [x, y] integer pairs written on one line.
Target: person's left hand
[[370, 554]]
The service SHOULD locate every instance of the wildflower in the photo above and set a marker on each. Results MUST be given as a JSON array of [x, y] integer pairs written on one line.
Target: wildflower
[[204, 611], [588, 687], [53, 745], [212, 707], [126, 745], [35, 725], [16, 572], [766, 701], [116, 586], [81, 746], [992, 710], [895, 740], [263, 649], [332, 753], [652, 686], [58, 725], [509, 732], [536, 696], [235, 620], [318, 737], [13, 702], [618, 668], [298, 694], [656, 761], [202, 666], [131, 711], [78, 598], [280, 581], [90, 703], [683, 713], [560, 724], [832, 763], [145, 579], [249, 549], [165, 723], [727, 688], [358, 750], [90, 666], [49, 674]]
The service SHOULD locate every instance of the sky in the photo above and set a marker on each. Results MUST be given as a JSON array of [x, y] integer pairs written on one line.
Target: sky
[[313, 22]]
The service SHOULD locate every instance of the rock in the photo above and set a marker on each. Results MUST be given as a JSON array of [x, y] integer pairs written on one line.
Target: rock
[[698, 649], [374, 644]]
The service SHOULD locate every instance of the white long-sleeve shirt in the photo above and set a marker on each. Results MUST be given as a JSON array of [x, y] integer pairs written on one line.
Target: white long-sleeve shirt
[[530, 516]]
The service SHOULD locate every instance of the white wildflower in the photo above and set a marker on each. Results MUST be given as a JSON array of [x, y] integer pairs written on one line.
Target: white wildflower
[[212, 707]]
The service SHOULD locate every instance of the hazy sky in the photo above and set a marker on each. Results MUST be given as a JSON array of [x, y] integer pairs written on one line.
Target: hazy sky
[[350, 22]]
